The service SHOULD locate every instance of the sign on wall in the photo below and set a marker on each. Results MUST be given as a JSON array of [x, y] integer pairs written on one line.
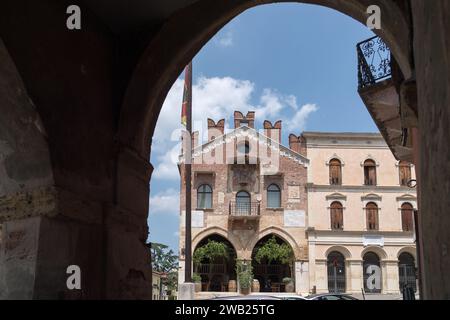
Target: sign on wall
[[294, 218], [294, 193], [373, 240], [197, 219]]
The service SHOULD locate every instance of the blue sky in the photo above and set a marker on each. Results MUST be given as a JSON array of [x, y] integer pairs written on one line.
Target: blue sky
[[292, 62]]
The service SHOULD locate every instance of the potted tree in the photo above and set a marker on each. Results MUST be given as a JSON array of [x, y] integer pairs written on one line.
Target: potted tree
[[244, 273], [289, 284]]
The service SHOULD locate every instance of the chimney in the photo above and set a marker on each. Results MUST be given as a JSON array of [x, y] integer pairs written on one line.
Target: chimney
[[273, 131], [298, 144], [195, 139], [248, 120], [215, 129]]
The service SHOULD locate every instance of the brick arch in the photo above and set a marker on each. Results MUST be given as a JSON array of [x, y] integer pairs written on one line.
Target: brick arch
[[282, 234], [163, 60], [215, 231]]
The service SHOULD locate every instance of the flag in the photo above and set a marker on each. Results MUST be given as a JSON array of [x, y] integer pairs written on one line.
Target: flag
[[187, 94]]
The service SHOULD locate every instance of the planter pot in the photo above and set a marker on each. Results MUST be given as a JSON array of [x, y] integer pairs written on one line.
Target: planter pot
[[255, 286], [290, 287], [198, 286], [245, 291]]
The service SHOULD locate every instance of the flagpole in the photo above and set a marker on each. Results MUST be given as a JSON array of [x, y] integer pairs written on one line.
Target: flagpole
[[188, 175]]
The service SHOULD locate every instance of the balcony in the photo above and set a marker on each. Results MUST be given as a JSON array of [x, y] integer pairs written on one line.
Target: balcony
[[244, 210], [374, 62], [378, 86]]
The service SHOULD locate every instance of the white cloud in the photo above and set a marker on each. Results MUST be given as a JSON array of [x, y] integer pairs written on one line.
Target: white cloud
[[218, 98], [298, 122], [225, 40], [166, 202]]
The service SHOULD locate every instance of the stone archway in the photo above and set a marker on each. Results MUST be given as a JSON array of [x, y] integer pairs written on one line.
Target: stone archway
[[216, 275], [157, 70], [271, 274]]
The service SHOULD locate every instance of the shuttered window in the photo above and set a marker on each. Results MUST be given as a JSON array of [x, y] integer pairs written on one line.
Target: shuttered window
[[372, 216], [407, 217], [337, 216], [335, 172], [370, 173], [405, 173]]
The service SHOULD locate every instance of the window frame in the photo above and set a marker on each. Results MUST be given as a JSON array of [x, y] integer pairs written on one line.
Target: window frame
[[372, 206], [335, 163], [339, 214], [274, 191], [403, 212], [403, 165], [370, 165], [210, 193]]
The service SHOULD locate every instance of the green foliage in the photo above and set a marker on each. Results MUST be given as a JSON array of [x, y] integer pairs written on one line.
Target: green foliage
[[210, 252], [273, 251], [287, 280], [244, 273], [164, 260], [196, 278]]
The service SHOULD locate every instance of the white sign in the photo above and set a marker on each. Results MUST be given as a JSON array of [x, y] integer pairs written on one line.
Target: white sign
[[220, 197], [197, 220], [369, 240], [294, 218]]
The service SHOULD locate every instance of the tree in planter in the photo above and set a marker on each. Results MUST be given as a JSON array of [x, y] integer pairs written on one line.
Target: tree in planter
[[273, 251], [210, 252], [244, 272]]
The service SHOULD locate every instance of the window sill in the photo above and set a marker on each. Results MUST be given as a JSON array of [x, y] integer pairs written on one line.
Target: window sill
[[205, 209], [275, 209]]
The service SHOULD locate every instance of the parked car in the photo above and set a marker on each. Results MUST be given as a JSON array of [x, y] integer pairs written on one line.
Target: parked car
[[330, 297], [289, 297], [247, 297]]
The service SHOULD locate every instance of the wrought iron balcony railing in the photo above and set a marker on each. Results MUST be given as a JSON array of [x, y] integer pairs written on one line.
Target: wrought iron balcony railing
[[374, 62], [244, 209]]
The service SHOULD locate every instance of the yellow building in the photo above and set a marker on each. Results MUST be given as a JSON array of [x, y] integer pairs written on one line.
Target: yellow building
[[360, 215]]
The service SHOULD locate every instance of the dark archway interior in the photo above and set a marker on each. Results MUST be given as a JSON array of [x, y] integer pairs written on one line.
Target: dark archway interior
[[270, 274], [217, 274]]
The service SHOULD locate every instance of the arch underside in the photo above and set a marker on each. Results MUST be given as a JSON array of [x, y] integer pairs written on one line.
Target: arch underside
[[153, 78]]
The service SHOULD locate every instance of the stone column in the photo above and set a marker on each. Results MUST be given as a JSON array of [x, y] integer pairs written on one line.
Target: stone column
[[321, 276], [302, 277], [355, 276], [390, 277]]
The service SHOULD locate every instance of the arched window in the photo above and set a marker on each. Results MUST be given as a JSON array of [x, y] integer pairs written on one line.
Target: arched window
[[372, 216], [273, 196], [407, 217], [335, 172], [407, 271], [372, 273], [337, 216], [204, 197], [404, 169], [243, 203], [370, 173], [336, 272]]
